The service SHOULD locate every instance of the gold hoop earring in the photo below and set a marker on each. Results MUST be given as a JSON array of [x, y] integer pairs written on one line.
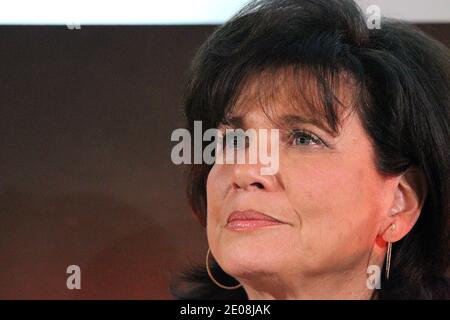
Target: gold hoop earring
[[389, 254], [214, 280]]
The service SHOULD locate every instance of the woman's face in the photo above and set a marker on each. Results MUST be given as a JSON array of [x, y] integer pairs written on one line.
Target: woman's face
[[327, 194]]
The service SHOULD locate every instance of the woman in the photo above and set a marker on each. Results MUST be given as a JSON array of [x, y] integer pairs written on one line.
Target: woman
[[363, 177]]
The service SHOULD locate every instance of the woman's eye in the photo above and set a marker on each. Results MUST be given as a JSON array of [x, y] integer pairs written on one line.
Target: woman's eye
[[302, 138], [234, 141]]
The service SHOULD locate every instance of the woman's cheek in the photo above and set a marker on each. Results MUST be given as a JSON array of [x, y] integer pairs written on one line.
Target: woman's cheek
[[214, 185], [324, 195], [216, 196], [337, 207]]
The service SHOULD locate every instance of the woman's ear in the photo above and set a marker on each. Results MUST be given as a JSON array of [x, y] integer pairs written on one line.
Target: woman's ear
[[409, 196]]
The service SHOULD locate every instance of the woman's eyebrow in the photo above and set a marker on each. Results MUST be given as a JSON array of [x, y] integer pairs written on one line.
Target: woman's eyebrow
[[233, 121], [291, 120]]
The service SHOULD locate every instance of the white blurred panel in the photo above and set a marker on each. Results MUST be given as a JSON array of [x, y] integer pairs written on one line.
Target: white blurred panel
[[157, 12]]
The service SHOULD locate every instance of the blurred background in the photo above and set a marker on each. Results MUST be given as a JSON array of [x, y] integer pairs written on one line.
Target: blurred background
[[86, 115]]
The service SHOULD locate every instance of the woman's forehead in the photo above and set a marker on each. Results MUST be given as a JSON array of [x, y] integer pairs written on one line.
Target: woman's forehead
[[283, 96]]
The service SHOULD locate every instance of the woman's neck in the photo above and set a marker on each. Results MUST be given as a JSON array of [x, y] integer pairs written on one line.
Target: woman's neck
[[342, 286]]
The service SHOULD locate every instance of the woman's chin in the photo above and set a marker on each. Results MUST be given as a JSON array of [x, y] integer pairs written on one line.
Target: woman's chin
[[246, 269], [247, 260], [255, 252]]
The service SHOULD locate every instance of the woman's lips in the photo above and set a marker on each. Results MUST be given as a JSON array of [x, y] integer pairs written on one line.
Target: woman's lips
[[249, 220]]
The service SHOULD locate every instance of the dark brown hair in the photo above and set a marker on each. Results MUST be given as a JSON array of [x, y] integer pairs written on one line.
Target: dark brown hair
[[402, 88]]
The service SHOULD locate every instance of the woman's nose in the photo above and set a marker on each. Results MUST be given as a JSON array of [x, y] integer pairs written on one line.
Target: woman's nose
[[248, 177]]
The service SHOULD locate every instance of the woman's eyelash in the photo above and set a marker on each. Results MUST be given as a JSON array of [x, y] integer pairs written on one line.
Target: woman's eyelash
[[231, 139], [296, 137], [303, 138]]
